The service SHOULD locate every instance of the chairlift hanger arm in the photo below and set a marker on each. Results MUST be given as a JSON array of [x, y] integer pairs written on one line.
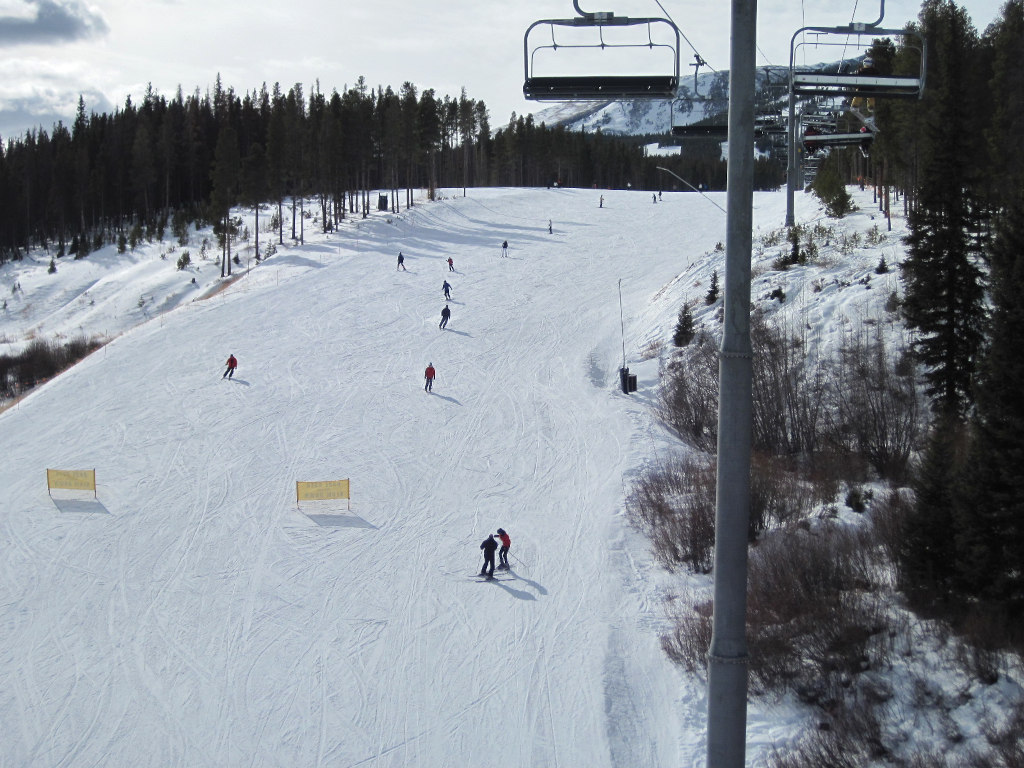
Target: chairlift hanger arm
[[597, 15]]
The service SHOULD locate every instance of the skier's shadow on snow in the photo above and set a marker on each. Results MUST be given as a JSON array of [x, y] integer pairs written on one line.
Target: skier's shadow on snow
[[241, 381], [529, 582], [445, 397], [514, 592], [461, 333]]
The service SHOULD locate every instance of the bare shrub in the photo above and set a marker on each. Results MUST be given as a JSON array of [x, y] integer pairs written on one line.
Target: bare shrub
[[673, 503], [851, 738], [862, 409], [688, 642], [888, 518], [984, 631], [811, 611], [776, 494], [828, 470], [1007, 739], [789, 395], [40, 361], [688, 400], [879, 410]]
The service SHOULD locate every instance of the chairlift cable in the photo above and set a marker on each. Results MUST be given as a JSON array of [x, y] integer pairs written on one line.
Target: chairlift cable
[[764, 56], [683, 35], [842, 56]]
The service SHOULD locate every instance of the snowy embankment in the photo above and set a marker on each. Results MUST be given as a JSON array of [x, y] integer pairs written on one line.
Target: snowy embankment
[[193, 616]]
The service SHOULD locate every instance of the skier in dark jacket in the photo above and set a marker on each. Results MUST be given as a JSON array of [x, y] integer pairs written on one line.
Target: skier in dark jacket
[[447, 291], [231, 364], [506, 542], [488, 547], [401, 263], [445, 314]]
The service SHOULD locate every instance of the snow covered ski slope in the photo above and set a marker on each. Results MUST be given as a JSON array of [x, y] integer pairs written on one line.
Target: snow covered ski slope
[[193, 616]]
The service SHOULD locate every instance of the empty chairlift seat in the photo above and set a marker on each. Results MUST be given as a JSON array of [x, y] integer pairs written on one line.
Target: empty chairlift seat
[[650, 43]]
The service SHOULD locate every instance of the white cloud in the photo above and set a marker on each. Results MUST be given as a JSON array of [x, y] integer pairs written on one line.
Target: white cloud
[[37, 94], [48, 21]]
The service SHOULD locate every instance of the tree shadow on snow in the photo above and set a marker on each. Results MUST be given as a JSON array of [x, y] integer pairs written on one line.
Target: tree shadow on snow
[[299, 261]]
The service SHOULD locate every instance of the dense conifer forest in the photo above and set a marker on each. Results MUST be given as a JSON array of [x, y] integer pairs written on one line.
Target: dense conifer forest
[[167, 161]]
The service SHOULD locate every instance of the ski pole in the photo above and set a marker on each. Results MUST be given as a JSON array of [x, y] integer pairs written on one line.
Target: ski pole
[[520, 562]]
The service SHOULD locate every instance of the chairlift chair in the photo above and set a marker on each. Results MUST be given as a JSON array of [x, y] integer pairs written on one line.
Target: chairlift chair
[[716, 131], [816, 83], [605, 87], [837, 139], [807, 84]]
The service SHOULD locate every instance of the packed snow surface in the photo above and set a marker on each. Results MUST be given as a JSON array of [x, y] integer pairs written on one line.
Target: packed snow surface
[[193, 614]]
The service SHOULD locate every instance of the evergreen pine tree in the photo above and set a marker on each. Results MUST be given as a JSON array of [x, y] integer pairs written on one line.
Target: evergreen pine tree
[[1005, 147], [925, 559], [684, 332], [712, 295], [944, 299], [990, 525], [225, 178], [828, 186]]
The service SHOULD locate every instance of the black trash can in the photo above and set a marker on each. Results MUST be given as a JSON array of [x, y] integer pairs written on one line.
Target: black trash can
[[382, 202], [631, 382]]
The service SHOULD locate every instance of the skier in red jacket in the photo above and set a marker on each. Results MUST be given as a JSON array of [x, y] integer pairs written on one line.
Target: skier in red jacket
[[232, 363], [429, 376], [506, 542]]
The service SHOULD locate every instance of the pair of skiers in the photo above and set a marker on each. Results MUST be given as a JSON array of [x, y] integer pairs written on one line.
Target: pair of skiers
[[489, 545]]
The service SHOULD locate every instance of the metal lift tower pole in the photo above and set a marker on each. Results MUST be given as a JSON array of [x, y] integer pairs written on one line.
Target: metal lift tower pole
[[727, 657], [792, 166]]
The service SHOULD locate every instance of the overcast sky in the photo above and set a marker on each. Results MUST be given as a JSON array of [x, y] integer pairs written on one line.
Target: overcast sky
[[51, 51]]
